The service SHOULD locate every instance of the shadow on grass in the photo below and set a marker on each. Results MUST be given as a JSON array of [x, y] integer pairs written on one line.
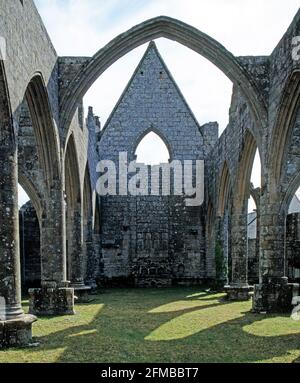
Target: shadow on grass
[[134, 331]]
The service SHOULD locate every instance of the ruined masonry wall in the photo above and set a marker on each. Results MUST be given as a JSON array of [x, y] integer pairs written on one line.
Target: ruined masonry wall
[[153, 240]]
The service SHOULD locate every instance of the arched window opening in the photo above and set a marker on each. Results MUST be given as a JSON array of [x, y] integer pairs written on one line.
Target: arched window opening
[[73, 213], [152, 150], [294, 206], [251, 205], [255, 181], [30, 244], [253, 242], [256, 171], [253, 221]]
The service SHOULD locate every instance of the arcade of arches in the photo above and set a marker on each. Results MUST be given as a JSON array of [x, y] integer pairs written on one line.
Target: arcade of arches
[[68, 240]]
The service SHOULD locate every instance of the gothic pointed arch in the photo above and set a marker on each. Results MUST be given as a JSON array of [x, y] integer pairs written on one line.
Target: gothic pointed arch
[[7, 133], [281, 133], [173, 29], [292, 188], [72, 176], [45, 131], [157, 133], [87, 194], [224, 189], [32, 193], [243, 176], [73, 213]]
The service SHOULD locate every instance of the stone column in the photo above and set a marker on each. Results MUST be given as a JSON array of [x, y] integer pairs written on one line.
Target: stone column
[[53, 239], [239, 288], [77, 259], [15, 326], [54, 297], [273, 293], [92, 254], [219, 248]]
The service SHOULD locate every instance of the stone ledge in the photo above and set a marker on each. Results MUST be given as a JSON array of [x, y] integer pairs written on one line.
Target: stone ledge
[[239, 293], [274, 295]]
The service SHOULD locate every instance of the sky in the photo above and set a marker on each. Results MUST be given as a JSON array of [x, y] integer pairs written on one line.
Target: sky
[[248, 27]]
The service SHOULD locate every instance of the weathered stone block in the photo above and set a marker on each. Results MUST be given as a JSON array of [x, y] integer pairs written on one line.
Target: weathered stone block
[[274, 295], [16, 332], [51, 301], [239, 293]]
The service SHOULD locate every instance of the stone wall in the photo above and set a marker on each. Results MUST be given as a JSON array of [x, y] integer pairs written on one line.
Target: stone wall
[[27, 39], [153, 240], [31, 175]]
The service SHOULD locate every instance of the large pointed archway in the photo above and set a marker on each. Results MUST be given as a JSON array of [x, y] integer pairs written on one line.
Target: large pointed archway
[[73, 214], [172, 29], [45, 131]]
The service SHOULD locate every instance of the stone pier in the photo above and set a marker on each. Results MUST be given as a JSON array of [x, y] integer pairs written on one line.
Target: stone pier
[[239, 288], [15, 326], [55, 297], [81, 291], [274, 293]]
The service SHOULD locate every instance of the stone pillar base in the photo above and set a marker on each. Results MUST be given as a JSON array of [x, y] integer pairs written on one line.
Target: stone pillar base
[[238, 293], [82, 294], [51, 301], [16, 332], [274, 295]]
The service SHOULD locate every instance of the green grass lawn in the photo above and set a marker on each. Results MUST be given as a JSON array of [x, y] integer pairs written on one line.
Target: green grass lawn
[[162, 325]]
